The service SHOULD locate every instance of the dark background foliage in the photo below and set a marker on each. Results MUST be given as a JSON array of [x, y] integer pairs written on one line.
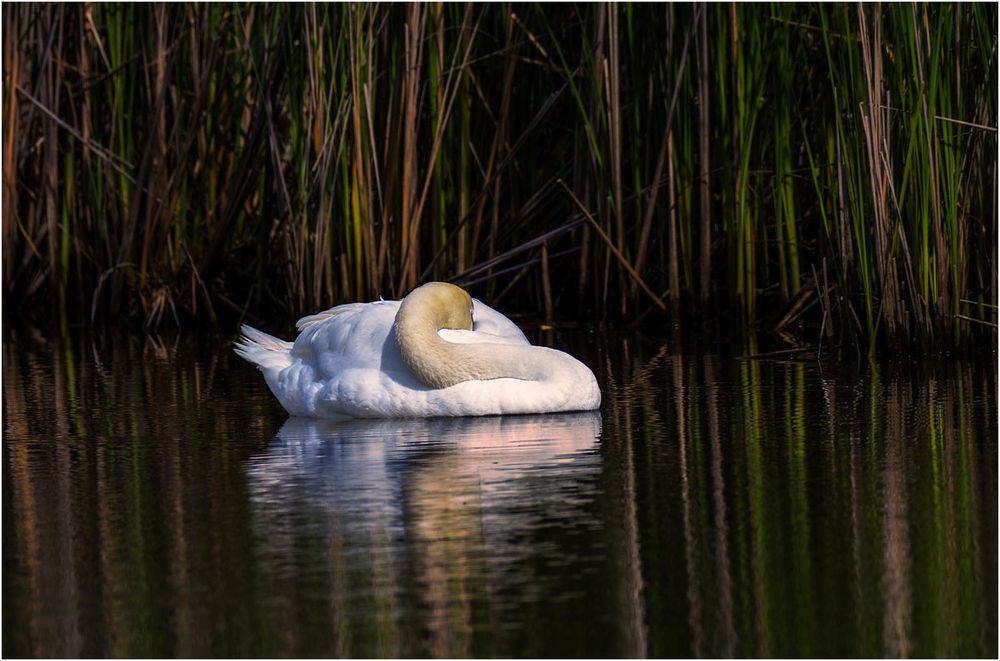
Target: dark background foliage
[[823, 171]]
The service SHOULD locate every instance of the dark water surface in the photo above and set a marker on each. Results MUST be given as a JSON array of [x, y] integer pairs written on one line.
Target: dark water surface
[[158, 502]]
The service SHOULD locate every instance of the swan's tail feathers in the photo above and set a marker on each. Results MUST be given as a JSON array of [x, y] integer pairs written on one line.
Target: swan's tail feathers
[[261, 349]]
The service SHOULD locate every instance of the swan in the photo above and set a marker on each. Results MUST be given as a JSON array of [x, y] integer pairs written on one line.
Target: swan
[[438, 352]]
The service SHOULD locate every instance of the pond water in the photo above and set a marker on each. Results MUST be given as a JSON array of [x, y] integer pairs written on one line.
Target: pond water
[[158, 502]]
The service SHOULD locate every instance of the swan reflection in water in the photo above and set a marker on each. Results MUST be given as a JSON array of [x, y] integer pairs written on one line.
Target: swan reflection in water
[[421, 535]]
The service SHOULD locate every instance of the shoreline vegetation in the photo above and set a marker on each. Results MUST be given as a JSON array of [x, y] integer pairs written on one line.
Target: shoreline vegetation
[[825, 173]]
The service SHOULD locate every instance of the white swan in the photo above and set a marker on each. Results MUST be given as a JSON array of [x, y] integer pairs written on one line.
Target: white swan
[[438, 352]]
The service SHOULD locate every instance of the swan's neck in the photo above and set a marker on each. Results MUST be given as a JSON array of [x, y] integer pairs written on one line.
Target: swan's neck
[[439, 363]]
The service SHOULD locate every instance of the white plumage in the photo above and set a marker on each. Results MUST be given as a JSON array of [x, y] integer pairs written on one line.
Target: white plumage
[[346, 362]]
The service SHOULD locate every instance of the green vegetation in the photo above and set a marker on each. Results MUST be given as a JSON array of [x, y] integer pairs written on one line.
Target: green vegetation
[[824, 171]]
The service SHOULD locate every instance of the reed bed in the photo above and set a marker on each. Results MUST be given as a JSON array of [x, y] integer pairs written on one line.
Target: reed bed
[[827, 172]]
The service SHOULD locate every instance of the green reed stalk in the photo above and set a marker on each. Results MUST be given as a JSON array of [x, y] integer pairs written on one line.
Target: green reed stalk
[[205, 163]]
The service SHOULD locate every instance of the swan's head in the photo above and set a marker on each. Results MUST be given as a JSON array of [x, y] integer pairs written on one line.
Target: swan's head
[[425, 311], [440, 304]]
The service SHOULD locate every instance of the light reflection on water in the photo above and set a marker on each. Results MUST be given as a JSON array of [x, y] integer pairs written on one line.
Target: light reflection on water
[[157, 502], [452, 525]]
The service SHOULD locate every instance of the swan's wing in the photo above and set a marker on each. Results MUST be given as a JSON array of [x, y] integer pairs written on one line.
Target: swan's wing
[[492, 325], [478, 337], [318, 318], [346, 337]]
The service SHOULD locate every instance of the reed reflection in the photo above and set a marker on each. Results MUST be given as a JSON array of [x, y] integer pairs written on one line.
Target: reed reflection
[[118, 504], [721, 507], [792, 509]]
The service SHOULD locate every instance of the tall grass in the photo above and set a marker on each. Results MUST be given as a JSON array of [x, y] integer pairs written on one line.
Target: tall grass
[[818, 170]]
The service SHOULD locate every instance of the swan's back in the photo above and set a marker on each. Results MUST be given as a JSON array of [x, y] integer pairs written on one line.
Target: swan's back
[[345, 337], [354, 336], [346, 363]]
